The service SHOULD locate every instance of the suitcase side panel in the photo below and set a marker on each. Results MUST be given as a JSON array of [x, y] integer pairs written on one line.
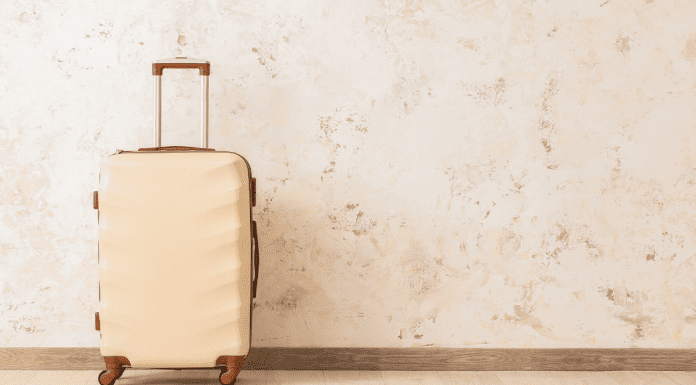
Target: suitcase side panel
[[174, 266]]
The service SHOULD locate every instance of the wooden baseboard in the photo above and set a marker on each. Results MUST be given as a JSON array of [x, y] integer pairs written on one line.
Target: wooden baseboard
[[432, 359]]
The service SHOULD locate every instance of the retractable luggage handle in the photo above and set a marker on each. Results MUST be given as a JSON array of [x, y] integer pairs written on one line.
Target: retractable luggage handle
[[181, 62]]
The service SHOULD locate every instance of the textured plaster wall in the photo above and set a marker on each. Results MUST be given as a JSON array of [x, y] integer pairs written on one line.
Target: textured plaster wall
[[430, 173]]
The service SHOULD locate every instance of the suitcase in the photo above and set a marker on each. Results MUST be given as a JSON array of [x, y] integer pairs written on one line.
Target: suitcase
[[176, 253]]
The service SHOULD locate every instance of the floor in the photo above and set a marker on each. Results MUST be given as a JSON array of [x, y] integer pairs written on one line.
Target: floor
[[331, 377]]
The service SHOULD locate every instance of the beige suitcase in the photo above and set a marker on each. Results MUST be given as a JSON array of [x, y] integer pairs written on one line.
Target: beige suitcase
[[176, 253]]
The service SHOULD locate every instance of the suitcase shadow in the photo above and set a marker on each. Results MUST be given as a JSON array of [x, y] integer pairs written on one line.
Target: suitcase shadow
[[184, 377]]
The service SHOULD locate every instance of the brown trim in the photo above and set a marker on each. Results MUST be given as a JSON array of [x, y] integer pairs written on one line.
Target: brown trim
[[430, 359], [203, 67]]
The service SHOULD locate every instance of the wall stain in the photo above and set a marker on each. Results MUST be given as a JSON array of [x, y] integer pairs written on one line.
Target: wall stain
[[638, 320], [266, 58], [26, 17], [28, 325], [622, 45], [490, 94], [328, 170], [508, 243], [546, 145], [468, 43], [103, 33], [260, 58], [524, 315], [346, 220], [341, 132], [290, 299], [689, 51], [563, 236], [546, 121], [630, 309]]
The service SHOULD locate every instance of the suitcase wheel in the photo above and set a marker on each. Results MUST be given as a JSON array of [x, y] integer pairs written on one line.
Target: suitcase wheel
[[100, 376], [224, 370], [112, 382]]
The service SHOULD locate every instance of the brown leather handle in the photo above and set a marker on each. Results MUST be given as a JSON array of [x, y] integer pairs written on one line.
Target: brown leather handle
[[256, 258], [203, 67], [175, 148]]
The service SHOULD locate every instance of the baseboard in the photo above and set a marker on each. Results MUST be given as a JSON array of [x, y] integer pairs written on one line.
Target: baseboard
[[432, 359]]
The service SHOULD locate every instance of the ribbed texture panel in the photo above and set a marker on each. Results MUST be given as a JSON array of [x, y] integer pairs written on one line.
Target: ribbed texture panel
[[174, 258]]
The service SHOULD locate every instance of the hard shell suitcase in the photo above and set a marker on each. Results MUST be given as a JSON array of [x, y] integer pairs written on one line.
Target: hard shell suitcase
[[176, 253]]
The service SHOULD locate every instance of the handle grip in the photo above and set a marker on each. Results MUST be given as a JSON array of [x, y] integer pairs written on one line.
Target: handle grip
[[181, 62]]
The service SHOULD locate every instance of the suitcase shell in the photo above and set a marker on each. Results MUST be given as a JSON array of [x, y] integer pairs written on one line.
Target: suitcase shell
[[175, 253], [175, 257]]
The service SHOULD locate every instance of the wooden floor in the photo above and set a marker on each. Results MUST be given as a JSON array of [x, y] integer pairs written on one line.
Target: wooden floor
[[330, 377]]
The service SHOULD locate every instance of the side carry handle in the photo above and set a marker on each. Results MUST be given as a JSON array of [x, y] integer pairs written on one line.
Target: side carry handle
[[256, 257]]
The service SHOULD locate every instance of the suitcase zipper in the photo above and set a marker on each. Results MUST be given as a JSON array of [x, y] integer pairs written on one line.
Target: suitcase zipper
[[150, 152]]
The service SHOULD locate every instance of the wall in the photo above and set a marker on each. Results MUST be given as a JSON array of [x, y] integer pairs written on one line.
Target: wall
[[431, 173]]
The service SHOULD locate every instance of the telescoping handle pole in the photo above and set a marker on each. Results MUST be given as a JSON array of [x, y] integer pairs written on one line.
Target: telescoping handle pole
[[181, 62]]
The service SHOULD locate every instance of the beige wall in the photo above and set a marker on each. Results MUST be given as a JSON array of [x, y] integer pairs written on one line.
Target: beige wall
[[453, 173]]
